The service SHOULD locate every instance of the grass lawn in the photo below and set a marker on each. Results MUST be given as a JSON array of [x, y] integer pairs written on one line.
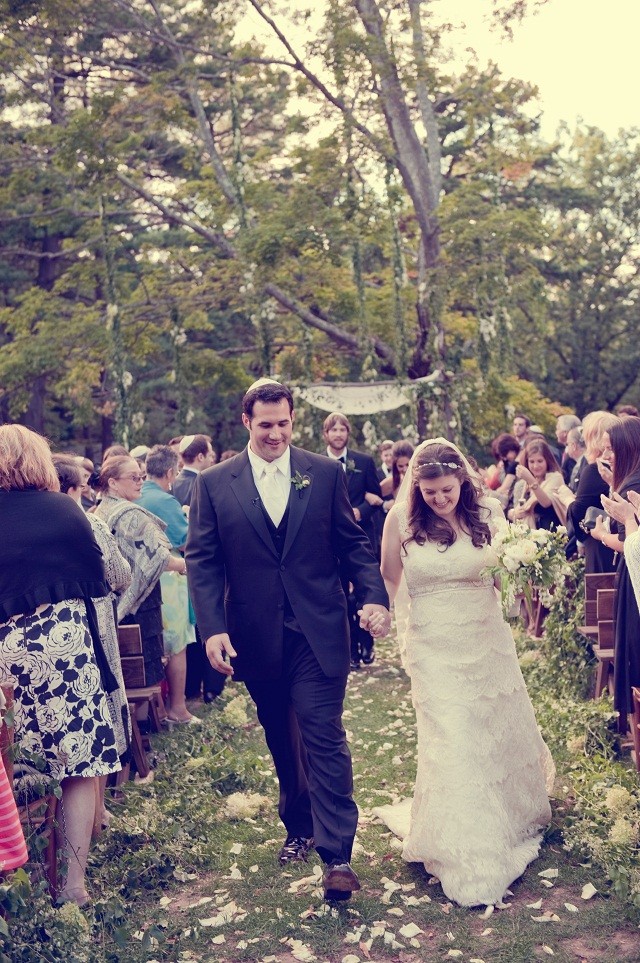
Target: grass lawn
[[188, 869]]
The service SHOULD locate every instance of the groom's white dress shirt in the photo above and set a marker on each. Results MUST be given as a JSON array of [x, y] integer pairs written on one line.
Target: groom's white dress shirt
[[273, 481]]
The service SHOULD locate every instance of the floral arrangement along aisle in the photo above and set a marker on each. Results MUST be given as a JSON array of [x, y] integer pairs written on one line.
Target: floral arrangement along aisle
[[527, 560]]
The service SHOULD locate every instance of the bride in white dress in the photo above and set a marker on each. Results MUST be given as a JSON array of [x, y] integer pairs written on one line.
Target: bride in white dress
[[480, 801]]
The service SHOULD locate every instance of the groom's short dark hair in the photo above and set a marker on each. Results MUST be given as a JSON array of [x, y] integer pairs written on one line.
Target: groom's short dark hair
[[269, 394]]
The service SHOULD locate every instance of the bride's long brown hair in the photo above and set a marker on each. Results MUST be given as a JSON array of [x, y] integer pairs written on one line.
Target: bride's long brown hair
[[436, 461]]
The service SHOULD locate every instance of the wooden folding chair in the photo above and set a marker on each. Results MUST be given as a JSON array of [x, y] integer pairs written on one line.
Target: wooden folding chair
[[138, 694], [635, 726], [604, 648]]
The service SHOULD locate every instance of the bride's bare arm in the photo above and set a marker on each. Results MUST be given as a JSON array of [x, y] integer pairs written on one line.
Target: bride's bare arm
[[391, 565]]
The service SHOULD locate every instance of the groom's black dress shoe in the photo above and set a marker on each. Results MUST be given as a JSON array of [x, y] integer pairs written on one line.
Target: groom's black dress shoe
[[354, 666], [339, 881], [295, 850], [368, 656]]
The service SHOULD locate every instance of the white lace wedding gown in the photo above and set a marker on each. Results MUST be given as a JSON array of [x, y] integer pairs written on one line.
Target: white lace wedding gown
[[480, 799]]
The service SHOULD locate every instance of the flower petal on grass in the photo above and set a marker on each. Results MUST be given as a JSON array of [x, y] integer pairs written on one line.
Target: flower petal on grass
[[536, 905], [487, 912], [588, 890], [409, 930], [571, 908], [549, 874], [547, 949]]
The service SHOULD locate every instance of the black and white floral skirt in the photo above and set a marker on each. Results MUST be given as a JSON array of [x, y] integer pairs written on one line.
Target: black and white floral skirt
[[60, 708]]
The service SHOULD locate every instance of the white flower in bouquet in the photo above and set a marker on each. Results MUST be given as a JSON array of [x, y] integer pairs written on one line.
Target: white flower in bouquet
[[524, 559]]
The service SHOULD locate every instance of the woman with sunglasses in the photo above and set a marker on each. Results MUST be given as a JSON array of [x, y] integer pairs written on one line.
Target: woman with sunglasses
[[141, 539]]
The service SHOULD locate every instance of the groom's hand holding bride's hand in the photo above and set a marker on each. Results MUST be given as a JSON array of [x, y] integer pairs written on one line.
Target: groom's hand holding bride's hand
[[375, 619], [216, 648]]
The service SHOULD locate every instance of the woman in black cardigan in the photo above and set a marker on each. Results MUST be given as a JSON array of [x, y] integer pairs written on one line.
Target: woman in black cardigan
[[622, 450], [597, 557], [50, 650]]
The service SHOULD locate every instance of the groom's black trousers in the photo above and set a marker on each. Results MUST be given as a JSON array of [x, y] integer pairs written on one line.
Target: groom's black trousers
[[301, 714]]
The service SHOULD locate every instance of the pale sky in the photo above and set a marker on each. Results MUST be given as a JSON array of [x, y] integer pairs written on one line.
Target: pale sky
[[581, 54]]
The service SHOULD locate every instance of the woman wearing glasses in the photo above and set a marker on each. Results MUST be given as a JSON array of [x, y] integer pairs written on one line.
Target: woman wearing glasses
[[141, 539]]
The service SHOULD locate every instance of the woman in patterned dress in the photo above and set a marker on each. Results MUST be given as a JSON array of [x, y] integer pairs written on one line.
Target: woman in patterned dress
[[50, 649], [118, 576]]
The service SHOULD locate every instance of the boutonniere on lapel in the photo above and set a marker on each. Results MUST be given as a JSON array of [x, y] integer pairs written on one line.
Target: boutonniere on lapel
[[300, 482], [351, 467]]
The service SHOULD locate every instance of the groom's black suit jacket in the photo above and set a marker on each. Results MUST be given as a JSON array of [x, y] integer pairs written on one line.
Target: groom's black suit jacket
[[240, 584]]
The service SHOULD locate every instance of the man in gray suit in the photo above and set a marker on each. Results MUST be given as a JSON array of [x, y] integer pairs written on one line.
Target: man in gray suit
[[269, 530]]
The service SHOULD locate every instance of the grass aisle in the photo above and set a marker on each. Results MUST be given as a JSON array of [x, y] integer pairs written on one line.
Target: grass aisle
[[188, 869]]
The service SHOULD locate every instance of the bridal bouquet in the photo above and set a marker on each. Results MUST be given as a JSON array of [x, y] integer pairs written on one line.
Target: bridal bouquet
[[526, 559]]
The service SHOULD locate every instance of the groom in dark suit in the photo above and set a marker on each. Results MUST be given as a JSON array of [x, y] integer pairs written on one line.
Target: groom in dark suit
[[268, 532]]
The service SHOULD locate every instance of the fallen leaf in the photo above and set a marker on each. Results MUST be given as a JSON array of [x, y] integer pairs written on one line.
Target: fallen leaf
[[410, 930], [547, 950], [219, 939], [236, 849], [571, 908], [536, 905], [547, 883], [588, 890], [549, 874], [487, 932], [455, 954], [475, 959], [547, 917], [395, 911]]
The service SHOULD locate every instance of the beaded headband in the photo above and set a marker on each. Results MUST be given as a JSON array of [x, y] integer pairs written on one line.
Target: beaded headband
[[438, 464]]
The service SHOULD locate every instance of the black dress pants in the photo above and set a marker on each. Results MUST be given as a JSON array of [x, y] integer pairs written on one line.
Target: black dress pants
[[301, 714], [201, 676]]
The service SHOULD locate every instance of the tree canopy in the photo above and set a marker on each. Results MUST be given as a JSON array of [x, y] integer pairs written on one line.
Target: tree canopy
[[184, 209]]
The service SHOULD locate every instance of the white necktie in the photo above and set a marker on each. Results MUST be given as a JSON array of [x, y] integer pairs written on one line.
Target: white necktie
[[273, 496]]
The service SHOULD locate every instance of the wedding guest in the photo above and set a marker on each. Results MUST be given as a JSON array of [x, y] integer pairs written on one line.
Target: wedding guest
[[622, 452], [118, 577], [141, 539], [576, 449], [114, 451], [50, 648], [538, 476], [197, 454], [401, 453], [228, 453], [480, 804], [365, 498], [88, 497], [177, 630], [564, 424], [385, 450], [591, 486], [508, 452], [268, 532], [13, 848], [520, 427], [629, 410]]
